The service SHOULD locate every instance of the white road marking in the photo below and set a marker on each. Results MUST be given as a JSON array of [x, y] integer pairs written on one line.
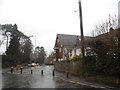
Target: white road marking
[[83, 83]]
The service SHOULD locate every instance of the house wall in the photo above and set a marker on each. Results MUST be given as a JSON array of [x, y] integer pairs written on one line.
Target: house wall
[[78, 51], [51, 60], [67, 54], [59, 51], [64, 53]]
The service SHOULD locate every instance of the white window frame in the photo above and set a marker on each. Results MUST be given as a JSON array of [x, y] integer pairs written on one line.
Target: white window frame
[[59, 49]]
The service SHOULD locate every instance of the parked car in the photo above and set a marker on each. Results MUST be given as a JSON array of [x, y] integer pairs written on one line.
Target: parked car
[[29, 65], [33, 64]]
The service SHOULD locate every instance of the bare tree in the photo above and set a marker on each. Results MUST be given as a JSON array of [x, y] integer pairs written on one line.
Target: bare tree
[[105, 26]]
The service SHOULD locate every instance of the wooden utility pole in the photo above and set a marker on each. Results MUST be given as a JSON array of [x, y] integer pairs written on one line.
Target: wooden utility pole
[[81, 29]]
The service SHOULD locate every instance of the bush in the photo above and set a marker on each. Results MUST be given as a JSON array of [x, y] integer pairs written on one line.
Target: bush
[[90, 64], [75, 57], [8, 60], [102, 66]]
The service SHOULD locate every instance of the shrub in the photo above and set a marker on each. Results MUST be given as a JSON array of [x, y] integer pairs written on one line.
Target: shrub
[[75, 57], [8, 60]]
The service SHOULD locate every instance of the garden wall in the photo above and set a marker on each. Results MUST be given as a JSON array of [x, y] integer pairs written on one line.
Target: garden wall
[[73, 67]]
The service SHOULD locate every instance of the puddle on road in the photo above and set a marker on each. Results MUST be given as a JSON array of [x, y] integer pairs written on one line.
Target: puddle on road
[[35, 80], [28, 80]]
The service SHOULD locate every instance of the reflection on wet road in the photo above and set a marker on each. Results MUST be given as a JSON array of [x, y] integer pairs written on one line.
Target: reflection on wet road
[[36, 80], [28, 80]]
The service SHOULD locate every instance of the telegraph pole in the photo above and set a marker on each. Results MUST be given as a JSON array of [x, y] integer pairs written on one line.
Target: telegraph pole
[[81, 27]]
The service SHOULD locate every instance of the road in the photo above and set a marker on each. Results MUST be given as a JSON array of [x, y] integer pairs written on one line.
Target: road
[[36, 80], [0, 81]]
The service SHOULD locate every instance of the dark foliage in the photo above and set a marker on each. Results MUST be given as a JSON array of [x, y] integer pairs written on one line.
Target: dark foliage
[[19, 49], [105, 58]]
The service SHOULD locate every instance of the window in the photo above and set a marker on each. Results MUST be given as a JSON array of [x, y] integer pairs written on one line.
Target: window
[[57, 40], [59, 49]]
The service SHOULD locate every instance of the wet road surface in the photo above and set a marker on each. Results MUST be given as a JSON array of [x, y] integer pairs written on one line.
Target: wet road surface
[[36, 80], [0, 78]]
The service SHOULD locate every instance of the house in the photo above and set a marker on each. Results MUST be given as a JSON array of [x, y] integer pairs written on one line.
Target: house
[[113, 33], [50, 59], [67, 46]]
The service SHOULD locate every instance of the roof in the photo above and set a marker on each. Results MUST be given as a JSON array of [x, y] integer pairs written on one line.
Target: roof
[[112, 32], [70, 41]]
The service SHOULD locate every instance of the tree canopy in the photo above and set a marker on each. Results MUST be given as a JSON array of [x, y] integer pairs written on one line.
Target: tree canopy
[[18, 46]]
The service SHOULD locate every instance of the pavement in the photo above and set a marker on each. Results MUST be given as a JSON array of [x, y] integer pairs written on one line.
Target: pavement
[[84, 82]]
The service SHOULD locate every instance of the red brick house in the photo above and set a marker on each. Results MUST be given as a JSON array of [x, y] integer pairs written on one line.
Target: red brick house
[[68, 45], [113, 33]]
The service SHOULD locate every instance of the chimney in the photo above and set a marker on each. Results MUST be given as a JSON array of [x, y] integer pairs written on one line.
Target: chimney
[[119, 14]]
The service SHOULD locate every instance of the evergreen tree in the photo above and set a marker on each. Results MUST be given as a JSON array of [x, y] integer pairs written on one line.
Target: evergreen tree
[[27, 50], [41, 54], [19, 48], [13, 48]]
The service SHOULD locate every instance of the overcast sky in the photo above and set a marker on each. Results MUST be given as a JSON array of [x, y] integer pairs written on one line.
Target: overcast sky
[[47, 18]]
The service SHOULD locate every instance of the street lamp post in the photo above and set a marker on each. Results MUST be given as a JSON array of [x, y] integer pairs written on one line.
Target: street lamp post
[[81, 27]]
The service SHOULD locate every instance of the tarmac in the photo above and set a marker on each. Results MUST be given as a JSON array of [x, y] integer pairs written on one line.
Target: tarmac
[[83, 81]]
